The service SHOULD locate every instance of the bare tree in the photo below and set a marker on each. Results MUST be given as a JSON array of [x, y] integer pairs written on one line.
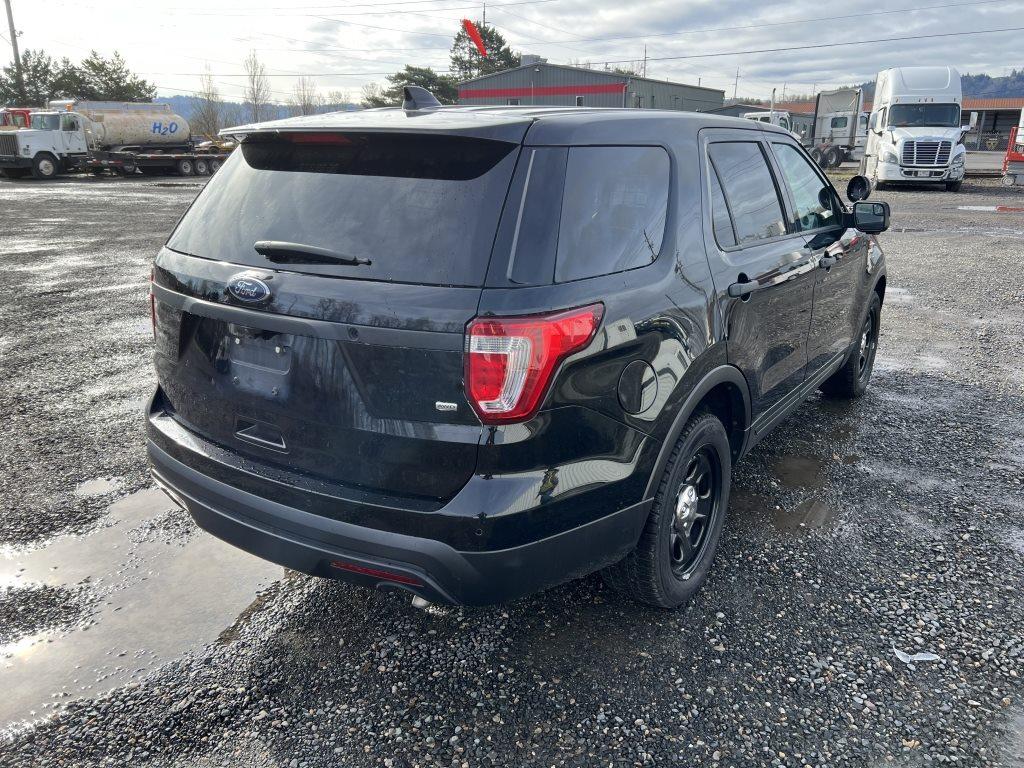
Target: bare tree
[[373, 96], [257, 88], [336, 100], [206, 108], [305, 97]]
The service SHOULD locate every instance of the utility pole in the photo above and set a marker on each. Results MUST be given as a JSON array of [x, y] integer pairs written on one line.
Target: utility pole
[[483, 23], [645, 60], [736, 84], [18, 78]]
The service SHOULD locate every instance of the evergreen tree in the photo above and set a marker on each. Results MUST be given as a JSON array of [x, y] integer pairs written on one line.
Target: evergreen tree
[[467, 62]]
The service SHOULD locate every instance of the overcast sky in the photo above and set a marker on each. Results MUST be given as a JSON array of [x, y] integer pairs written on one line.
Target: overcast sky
[[345, 45]]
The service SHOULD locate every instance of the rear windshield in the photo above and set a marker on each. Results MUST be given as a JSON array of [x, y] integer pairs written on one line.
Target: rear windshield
[[420, 208]]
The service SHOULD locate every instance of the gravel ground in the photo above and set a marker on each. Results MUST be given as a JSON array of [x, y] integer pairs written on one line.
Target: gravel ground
[[895, 523]]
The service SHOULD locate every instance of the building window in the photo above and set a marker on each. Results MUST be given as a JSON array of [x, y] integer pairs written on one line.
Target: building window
[[579, 101], [512, 102]]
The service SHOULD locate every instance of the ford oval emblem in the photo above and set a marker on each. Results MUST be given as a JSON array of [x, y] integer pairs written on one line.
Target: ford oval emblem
[[249, 289]]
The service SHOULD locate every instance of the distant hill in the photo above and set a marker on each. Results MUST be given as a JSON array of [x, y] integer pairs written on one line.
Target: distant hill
[[234, 111], [1009, 86]]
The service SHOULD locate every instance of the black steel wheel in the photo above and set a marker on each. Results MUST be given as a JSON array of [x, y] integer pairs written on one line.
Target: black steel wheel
[[675, 551], [696, 505], [853, 378]]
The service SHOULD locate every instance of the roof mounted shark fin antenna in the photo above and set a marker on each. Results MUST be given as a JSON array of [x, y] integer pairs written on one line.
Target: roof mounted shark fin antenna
[[418, 98]]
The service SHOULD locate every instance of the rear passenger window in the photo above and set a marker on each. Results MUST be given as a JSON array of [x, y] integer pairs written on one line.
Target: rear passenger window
[[810, 192], [720, 219], [749, 189], [613, 210]]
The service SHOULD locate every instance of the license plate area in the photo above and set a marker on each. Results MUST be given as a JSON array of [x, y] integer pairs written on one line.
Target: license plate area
[[258, 362]]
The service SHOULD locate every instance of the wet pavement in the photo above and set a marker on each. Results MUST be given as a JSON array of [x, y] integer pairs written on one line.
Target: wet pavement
[[855, 530]]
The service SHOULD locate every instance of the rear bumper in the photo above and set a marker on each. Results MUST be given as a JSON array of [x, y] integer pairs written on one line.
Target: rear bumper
[[370, 557]]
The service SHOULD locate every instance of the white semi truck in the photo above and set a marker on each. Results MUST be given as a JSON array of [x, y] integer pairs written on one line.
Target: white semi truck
[[916, 130], [98, 136]]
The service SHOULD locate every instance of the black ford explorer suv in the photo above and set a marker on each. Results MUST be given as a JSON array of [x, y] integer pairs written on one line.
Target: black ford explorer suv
[[474, 352]]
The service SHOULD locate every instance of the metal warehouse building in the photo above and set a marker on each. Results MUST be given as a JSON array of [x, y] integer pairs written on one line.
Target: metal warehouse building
[[537, 82]]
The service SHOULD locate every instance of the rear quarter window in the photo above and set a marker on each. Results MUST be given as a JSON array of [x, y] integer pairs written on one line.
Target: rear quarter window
[[614, 206]]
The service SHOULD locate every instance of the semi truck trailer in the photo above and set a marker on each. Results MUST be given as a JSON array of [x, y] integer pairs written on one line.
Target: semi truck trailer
[[97, 136], [836, 134], [916, 130]]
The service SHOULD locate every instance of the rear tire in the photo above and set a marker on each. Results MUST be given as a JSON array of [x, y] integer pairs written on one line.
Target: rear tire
[[817, 157], [185, 167], [851, 381], [214, 166], [202, 167], [833, 158], [677, 547], [45, 166]]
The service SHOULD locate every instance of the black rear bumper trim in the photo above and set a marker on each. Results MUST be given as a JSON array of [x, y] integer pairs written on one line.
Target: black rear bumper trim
[[433, 570]]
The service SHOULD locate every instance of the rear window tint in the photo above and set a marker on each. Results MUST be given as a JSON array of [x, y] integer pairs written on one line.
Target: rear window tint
[[422, 208], [613, 213]]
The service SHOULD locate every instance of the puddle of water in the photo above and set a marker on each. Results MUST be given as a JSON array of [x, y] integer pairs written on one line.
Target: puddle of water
[[809, 514], [98, 486], [799, 471], [158, 600]]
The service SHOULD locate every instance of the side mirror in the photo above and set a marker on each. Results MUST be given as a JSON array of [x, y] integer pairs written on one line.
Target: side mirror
[[871, 218], [859, 188]]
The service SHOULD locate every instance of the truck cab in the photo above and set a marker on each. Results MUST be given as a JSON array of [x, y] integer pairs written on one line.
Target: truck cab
[[915, 131], [52, 143], [775, 117]]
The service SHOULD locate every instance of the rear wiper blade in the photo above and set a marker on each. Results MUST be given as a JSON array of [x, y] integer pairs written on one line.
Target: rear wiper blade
[[282, 252]]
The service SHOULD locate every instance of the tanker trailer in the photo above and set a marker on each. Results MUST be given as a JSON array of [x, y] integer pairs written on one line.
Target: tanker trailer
[[98, 136]]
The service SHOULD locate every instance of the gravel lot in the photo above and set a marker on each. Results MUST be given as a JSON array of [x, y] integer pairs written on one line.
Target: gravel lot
[[855, 530]]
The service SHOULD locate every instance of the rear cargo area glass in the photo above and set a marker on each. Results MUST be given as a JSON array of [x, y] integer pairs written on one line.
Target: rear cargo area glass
[[421, 208]]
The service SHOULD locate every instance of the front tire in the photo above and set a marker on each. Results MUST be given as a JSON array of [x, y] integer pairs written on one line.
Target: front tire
[[677, 547], [45, 166], [851, 381], [954, 186]]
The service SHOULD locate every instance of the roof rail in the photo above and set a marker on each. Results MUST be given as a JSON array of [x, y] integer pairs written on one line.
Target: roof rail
[[416, 98]]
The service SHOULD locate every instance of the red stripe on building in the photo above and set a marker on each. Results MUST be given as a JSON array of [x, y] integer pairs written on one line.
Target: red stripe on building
[[547, 90]]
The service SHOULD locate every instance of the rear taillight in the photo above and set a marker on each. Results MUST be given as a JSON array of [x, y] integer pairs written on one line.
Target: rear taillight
[[510, 360]]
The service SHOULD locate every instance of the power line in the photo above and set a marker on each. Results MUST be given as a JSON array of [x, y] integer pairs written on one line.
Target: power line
[[807, 47], [760, 25]]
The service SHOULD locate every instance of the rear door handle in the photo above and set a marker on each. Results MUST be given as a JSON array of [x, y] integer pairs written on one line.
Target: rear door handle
[[738, 290]]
